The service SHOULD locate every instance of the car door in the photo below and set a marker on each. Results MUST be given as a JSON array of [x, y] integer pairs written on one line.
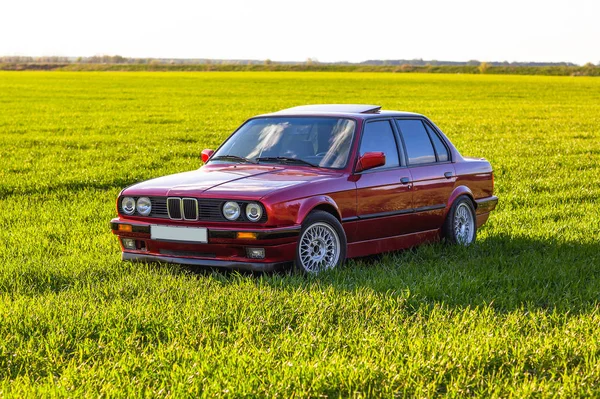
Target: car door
[[384, 195], [433, 175]]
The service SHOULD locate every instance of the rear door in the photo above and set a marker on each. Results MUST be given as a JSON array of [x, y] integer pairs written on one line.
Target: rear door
[[384, 194], [433, 175]]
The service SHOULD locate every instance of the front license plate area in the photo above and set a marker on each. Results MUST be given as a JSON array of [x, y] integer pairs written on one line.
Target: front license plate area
[[179, 233]]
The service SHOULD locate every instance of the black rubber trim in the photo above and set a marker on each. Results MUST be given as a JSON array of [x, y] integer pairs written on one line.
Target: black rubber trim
[[430, 208], [221, 234], [487, 203], [250, 266], [394, 213], [227, 234], [169, 252], [279, 234], [260, 235], [386, 214], [134, 228]]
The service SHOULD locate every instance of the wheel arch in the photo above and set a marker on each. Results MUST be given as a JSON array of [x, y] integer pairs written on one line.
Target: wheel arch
[[457, 192], [323, 203]]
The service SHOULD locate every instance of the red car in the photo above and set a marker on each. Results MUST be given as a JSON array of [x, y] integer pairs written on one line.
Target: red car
[[310, 186]]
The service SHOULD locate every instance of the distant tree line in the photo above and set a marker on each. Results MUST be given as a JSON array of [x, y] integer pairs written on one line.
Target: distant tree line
[[117, 59], [119, 63], [421, 62], [17, 59]]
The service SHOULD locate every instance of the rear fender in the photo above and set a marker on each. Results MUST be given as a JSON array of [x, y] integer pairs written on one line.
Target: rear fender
[[458, 191]]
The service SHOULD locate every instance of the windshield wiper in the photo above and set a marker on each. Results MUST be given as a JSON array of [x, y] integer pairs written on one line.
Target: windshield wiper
[[232, 158], [286, 160]]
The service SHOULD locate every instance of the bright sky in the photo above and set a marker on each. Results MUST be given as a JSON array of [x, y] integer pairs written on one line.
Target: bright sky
[[459, 30]]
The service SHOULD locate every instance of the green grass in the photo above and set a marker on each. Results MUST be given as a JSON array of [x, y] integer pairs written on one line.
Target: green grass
[[516, 315]]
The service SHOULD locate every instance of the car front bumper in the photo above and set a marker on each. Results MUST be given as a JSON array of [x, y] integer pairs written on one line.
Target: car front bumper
[[222, 248]]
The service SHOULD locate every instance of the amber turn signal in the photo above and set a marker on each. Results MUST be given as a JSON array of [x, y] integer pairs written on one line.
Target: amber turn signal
[[245, 235], [125, 227]]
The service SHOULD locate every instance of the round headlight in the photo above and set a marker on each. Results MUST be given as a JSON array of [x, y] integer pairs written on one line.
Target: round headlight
[[144, 206], [253, 211], [128, 205], [231, 210]]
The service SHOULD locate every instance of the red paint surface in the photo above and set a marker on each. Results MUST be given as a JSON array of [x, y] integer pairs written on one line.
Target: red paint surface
[[289, 193]]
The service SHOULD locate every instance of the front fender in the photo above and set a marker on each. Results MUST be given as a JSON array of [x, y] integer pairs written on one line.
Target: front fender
[[311, 203], [294, 212]]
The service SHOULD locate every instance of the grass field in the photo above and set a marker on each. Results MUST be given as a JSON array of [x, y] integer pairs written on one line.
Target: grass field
[[516, 315]]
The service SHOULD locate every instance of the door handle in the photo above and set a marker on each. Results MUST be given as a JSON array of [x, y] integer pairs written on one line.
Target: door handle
[[404, 180], [448, 175]]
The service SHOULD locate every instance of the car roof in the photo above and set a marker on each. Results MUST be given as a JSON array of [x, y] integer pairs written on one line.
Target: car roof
[[347, 108], [362, 111]]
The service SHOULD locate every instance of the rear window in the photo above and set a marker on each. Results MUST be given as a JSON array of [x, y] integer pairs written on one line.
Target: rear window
[[417, 142], [440, 148]]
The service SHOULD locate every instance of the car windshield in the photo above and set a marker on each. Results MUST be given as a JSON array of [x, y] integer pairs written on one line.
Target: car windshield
[[323, 142]]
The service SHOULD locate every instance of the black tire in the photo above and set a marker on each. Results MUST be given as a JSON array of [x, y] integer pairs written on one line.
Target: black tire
[[455, 231], [326, 223]]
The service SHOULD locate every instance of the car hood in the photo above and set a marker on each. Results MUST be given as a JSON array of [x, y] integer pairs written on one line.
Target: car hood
[[231, 181]]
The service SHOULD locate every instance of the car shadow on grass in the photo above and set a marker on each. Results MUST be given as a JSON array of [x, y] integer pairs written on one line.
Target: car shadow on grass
[[505, 272], [501, 271]]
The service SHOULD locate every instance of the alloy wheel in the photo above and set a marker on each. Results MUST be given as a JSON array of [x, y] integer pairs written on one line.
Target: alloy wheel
[[319, 248], [464, 224]]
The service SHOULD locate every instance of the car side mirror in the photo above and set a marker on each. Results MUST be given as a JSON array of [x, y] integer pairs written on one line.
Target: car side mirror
[[370, 160], [206, 154]]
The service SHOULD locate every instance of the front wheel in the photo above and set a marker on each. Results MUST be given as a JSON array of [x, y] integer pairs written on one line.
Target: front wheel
[[460, 226], [322, 244]]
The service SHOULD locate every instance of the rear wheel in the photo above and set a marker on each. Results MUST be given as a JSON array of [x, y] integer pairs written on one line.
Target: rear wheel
[[322, 244], [460, 226]]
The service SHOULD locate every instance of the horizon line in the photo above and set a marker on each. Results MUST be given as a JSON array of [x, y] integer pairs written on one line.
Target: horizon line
[[308, 60]]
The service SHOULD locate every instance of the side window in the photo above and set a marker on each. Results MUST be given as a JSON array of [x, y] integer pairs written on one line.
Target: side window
[[440, 148], [378, 136], [416, 139]]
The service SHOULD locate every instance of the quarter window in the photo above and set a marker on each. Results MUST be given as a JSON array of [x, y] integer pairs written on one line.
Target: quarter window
[[378, 136], [416, 139], [440, 148]]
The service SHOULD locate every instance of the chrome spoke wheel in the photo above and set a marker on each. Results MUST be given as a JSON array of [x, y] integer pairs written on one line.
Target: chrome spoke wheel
[[319, 248], [464, 224]]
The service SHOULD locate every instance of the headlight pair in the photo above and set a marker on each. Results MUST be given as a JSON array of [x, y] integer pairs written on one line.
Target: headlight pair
[[232, 211], [143, 205]]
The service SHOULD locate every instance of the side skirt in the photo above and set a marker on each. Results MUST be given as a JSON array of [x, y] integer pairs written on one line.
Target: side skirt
[[388, 244]]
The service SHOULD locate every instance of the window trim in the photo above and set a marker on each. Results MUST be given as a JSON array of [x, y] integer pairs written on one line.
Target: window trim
[[431, 131], [400, 145], [423, 120], [442, 137], [401, 163]]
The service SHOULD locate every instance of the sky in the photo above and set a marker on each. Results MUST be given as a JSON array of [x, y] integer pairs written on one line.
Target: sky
[[327, 31]]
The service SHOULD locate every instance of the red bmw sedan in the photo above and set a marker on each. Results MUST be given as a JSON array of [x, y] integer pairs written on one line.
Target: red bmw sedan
[[310, 186]]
